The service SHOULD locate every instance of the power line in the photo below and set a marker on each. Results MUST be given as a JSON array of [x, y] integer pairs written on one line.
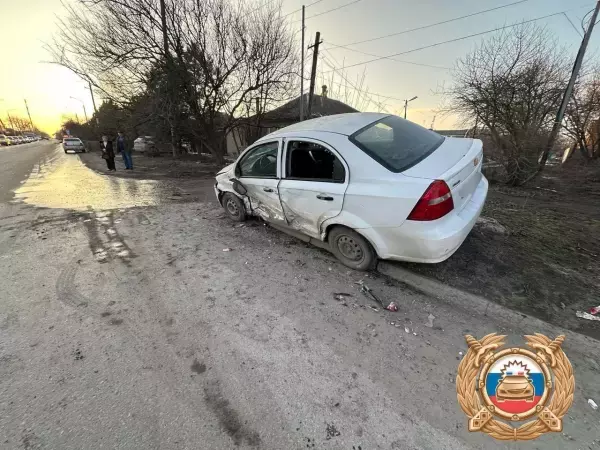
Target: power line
[[391, 59], [333, 9], [359, 91], [573, 25], [300, 9], [433, 24], [455, 40]]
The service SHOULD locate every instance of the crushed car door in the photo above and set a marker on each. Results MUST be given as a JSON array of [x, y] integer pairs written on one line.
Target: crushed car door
[[258, 170], [313, 185]]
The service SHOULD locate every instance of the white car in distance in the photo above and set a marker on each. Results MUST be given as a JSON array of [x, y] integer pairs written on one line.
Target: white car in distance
[[367, 185], [143, 144], [73, 144]]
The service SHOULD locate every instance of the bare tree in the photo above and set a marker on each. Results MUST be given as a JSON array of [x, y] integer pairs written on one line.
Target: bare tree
[[512, 85], [223, 55], [582, 116]]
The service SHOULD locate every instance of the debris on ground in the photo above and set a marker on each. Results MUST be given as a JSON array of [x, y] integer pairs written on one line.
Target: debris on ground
[[460, 353], [595, 310], [341, 297], [407, 329], [368, 292], [227, 249], [593, 404], [562, 305], [373, 308], [587, 316], [489, 224], [430, 319]]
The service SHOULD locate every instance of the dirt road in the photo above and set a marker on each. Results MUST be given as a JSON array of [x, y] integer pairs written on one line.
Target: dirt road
[[125, 324]]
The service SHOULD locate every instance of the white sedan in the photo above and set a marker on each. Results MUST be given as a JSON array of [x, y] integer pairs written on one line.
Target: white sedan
[[368, 185]]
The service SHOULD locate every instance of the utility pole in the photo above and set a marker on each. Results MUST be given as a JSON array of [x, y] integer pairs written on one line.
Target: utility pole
[[12, 124], [406, 104], [77, 118], [93, 99], [27, 108], [569, 90], [313, 72], [302, 71]]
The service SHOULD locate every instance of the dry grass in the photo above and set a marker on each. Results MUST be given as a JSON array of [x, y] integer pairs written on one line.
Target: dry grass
[[548, 264]]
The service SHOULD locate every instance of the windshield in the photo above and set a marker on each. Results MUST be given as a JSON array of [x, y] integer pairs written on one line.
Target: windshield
[[395, 143]]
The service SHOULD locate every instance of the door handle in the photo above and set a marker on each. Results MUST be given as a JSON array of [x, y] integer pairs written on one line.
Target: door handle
[[327, 198], [267, 189]]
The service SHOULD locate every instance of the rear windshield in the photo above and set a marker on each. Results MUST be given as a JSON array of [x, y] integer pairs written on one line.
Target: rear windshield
[[395, 143], [72, 140]]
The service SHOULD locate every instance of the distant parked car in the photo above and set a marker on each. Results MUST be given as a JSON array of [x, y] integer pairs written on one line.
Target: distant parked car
[[143, 143], [369, 185], [16, 140], [73, 144], [4, 141]]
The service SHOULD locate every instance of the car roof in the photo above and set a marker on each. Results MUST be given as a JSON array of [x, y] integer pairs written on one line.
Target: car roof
[[345, 124]]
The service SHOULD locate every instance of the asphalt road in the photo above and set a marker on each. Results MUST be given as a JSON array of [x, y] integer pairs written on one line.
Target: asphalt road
[[124, 324], [16, 163]]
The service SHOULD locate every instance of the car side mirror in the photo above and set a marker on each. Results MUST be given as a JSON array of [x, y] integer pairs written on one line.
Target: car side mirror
[[239, 187]]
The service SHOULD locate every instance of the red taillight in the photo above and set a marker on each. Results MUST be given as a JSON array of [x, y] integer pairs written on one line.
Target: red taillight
[[436, 202]]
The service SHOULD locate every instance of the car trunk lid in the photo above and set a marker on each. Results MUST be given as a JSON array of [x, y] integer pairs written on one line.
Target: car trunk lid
[[458, 162]]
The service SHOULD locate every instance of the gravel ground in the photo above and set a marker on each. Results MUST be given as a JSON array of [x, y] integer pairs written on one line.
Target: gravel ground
[[130, 327], [133, 328]]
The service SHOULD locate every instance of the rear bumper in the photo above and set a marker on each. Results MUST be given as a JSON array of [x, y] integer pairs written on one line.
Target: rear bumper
[[429, 242]]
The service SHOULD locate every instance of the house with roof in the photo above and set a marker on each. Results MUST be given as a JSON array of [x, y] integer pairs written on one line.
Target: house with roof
[[255, 127]]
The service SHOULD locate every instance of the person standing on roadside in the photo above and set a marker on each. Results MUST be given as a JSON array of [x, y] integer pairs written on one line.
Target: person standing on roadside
[[125, 150], [108, 153]]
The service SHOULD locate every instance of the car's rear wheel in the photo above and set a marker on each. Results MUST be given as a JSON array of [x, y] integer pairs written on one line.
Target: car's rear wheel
[[234, 207], [352, 249]]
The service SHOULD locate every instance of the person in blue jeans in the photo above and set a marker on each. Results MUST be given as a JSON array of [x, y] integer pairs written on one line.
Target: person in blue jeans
[[124, 148]]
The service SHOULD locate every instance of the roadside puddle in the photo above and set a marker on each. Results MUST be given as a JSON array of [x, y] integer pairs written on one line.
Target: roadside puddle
[[65, 182]]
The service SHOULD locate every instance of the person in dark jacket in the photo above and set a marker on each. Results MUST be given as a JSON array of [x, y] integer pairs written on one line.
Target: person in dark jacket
[[125, 150], [108, 153]]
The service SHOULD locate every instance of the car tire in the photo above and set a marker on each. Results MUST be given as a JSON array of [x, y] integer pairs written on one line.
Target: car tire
[[352, 249], [234, 207]]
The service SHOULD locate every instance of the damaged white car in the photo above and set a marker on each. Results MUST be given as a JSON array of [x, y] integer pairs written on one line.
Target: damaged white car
[[367, 185]]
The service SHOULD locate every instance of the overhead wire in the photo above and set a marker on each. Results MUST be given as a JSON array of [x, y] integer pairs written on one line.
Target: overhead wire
[[424, 27], [360, 92], [456, 39], [300, 9], [331, 10], [572, 24], [391, 59]]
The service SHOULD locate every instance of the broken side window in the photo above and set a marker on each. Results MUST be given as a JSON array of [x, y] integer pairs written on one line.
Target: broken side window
[[310, 161]]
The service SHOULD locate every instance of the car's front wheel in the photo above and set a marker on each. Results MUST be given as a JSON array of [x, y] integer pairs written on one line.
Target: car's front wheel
[[352, 249], [234, 207]]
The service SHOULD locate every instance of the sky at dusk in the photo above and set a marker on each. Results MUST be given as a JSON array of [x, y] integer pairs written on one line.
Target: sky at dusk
[[28, 24]]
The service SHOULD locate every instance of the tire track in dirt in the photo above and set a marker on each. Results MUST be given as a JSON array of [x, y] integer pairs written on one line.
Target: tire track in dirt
[[151, 334]]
